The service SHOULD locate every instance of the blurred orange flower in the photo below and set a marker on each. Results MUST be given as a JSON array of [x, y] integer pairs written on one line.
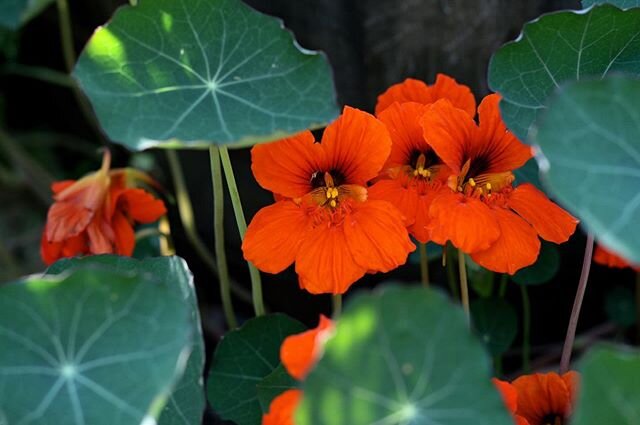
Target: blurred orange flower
[[298, 353], [482, 213], [540, 398], [96, 214], [322, 219], [610, 259]]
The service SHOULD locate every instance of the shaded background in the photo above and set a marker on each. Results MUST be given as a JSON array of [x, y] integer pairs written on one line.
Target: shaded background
[[370, 44]]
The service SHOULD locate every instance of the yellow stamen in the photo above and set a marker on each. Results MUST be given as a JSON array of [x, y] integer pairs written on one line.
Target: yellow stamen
[[472, 182], [333, 203], [329, 193], [488, 186], [334, 192]]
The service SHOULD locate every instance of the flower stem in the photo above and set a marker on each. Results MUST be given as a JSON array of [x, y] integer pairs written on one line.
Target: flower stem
[[502, 291], [526, 329], [638, 305], [577, 305], [218, 228], [256, 284], [185, 210], [337, 305], [451, 273], [464, 286], [424, 265]]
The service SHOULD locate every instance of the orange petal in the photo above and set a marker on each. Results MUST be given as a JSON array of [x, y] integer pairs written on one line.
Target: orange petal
[[57, 187], [376, 236], [540, 395], [411, 90], [550, 221], [286, 166], [403, 123], [356, 145], [420, 229], [299, 353], [101, 236], [405, 199], [71, 247], [324, 262], [274, 236], [518, 245], [468, 223], [66, 219], [282, 408], [509, 394], [124, 237], [610, 259], [572, 381], [141, 206], [450, 132], [503, 150]]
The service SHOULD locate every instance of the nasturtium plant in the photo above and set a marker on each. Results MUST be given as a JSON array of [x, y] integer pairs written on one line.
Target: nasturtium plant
[[609, 387], [243, 359], [622, 4], [191, 73], [496, 322], [401, 356], [590, 144], [91, 345], [543, 270], [14, 13], [558, 48], [274, 384], [187, 401]]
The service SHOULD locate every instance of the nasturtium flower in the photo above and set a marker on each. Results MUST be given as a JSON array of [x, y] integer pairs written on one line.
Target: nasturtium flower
[[609, 258], [322, 219], [299, 353], [411, 90], [96, 214], [482, 213], [540, 398]]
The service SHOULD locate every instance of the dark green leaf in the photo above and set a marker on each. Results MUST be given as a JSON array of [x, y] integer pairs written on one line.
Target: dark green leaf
[[187, 402], [609, 388], [544, 269], [480, 279], [242, 360], [196, 72], [496, 322], [557, 48], [622, 4], [14, 13], [273, 385], [590, 142], [620, 306], [434, 252], [92, 345], [402, 356], [529, 173]]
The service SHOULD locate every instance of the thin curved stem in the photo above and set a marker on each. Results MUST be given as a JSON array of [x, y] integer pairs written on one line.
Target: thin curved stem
[[424, 265], [577, 305], [451, 273], [256, 283], [218, 228], [185, 210], [464, 286], [526, 329], [337, 305]]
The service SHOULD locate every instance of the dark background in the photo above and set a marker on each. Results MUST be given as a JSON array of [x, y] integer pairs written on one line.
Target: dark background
[[370, 44]]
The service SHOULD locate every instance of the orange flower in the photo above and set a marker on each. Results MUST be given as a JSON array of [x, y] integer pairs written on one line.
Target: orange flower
[[411, 90], [482, 213], [610, 259], [541, 398], [323, 221], [95, 215], [298, 353]]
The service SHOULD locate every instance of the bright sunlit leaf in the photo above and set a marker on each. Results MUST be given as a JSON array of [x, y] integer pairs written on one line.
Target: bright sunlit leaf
[[199, 72]]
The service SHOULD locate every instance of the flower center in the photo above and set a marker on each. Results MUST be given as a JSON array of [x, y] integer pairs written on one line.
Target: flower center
[[552, 420], [419, 169], [482, 185], [327, 192]]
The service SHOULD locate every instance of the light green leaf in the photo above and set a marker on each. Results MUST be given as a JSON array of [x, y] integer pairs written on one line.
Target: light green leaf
[[557, 48], [14, 13], [609, 388], [242, 360], [187, 402], [273, 385], [543, 270], [402, 356], [90, 346], [590, 143], [622, 4], [189, 73], [496, 322]]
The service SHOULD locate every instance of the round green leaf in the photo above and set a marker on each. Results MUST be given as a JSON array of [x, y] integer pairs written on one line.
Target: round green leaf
[[14, 13], [402, 356], [543, 270], [242, 360], [496, 322], [590, 144], [273, 385], [609, 388], [622, 4], [196, 72], [187, 402], [561, 47], [90, 346], [620, 306], [529, 173]]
